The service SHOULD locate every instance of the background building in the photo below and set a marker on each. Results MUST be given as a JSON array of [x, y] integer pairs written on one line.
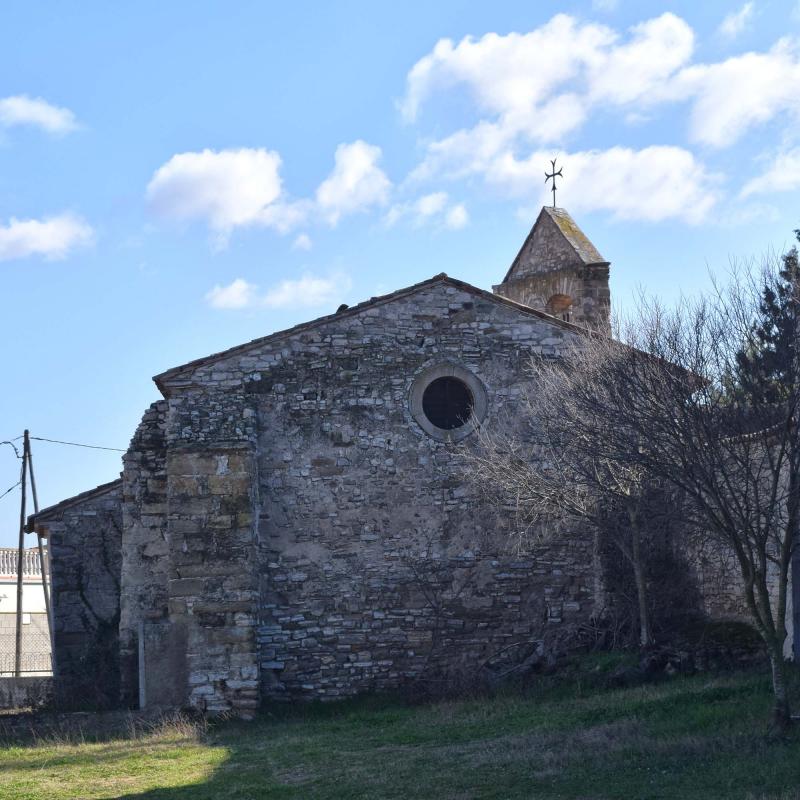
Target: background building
[[35, 635]]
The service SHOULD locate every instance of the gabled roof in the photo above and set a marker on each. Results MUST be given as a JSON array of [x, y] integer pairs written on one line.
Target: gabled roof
[[176, 372], [55, 510], [575, 242]]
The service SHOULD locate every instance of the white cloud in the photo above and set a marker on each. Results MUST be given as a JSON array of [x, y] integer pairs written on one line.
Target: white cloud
[[457, 217], [52, 237], [226, 189], [357, 183], [735, 22], [284, 217], [782, 176], [507, 75], [239, 294], [229, 189], [463, 152], [541, 84], [431, 204], [434, 207], [741, 92], [23, 110], [652, 184], [530, 89], [634, 72], [309, 291], [302, 242]]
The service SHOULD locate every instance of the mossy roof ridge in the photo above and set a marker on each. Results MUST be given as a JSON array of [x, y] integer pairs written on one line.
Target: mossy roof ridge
[[588, 253]]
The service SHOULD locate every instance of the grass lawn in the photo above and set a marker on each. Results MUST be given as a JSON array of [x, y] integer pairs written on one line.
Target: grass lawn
[[700, 737]]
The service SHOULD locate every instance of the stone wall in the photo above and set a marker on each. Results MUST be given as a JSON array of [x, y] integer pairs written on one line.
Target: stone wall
[[292, 531], [549, 266], [586, 286], [718, 577], [25, 693], [84, 536], [378, 564], [145, 546]]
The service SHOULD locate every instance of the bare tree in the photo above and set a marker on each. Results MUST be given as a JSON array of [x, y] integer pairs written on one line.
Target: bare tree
[[681, 397], [735, 457], [569, 464]]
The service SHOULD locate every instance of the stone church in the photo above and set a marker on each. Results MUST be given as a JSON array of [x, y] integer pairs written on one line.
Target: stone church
[[293, 520]]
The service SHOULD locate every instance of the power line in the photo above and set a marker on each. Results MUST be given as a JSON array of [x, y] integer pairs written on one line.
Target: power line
[[7, 491], [78, 444], [10, 443]]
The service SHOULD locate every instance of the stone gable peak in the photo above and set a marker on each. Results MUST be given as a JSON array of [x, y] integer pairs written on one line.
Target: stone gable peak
[[554, 243]]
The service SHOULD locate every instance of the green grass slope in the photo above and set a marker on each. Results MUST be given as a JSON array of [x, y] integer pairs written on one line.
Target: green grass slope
[[700, 737]]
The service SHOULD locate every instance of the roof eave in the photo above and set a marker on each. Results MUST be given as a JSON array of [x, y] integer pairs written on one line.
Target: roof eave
[[46, 513]]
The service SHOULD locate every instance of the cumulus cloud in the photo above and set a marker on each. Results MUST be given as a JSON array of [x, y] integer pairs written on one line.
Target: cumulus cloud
[[457, 217], [226, 189], [529, 89], [237, 188], [634, 72], [735, 22], [542, 83], [239, 294], [357, 183], [431, 204], [302, 242], [34, 111], [741, 92], [652, 184], [783, 175], [433, 208], [52, 237], [309, 291]]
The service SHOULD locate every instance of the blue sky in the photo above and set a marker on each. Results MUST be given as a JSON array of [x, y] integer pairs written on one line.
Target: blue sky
[[177, 178]]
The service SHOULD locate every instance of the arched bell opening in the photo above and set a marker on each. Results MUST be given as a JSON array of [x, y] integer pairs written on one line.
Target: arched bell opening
[[560, 305]]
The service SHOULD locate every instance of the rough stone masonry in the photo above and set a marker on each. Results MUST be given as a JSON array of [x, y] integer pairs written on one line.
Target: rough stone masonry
[[294, 518]]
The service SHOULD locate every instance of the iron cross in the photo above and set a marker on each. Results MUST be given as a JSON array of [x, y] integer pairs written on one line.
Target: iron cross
[[552, 176]]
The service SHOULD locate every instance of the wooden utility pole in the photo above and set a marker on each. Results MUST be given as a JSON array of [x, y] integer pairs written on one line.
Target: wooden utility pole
[[21, 557], [44, 566]]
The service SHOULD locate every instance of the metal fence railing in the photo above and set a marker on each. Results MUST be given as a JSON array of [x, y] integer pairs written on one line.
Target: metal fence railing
[[35, 656], [30, 662]]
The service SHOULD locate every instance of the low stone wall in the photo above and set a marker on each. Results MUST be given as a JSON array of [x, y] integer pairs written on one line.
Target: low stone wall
[[25, 692]]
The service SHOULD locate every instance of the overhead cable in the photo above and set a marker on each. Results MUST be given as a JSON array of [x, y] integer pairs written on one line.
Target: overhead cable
[[10, 443], [7, 491], [78, 444]]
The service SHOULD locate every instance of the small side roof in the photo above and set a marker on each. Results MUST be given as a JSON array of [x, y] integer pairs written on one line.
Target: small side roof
[[53, 511], [575, 243], [162, 378]]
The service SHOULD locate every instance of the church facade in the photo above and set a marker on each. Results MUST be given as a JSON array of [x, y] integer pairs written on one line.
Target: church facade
[[293, 518]]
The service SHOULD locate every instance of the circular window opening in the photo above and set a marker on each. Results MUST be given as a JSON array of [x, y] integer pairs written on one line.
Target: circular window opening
[[447, 403]]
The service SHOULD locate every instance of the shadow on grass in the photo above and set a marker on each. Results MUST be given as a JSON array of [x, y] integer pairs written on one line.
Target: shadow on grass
[[695, 738], [701, 737]]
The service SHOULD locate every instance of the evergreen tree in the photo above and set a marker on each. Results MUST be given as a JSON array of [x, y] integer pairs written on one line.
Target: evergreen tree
[[767, 366]]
